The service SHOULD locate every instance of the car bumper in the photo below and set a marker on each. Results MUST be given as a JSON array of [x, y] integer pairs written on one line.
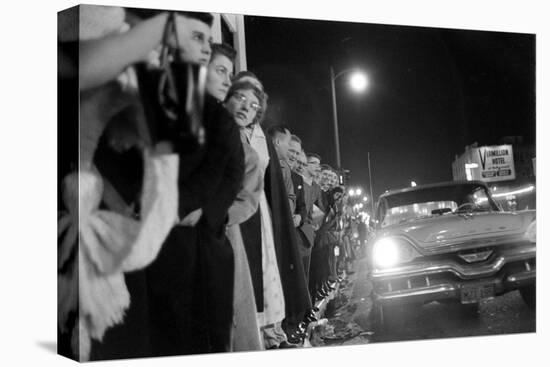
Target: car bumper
[[422, 283]]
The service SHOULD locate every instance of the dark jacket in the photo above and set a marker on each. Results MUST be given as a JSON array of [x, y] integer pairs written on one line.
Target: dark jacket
[[251, 231], [191, 281], [289, 259], [301, 208]]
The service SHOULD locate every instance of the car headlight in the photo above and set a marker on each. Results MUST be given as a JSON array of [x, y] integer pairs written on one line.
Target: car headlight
[[531, 233], [390, 251]]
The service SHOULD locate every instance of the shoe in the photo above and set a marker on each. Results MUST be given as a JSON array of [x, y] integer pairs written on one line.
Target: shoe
[[310, 318], [320, 295], [286, 344], [296, 338], [302, 327]]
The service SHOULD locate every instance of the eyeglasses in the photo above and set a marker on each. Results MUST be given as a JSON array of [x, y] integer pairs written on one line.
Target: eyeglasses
[[242, 99]]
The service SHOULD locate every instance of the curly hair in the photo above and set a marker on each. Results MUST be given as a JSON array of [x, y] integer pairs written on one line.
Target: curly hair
[[250, 75], [247, 73]]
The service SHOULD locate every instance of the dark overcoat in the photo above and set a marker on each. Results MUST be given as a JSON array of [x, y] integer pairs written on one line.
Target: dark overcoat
[[288, 255], [190, 284]]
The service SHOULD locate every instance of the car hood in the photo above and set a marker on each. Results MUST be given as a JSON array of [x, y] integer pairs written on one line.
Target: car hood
[[448, 229]]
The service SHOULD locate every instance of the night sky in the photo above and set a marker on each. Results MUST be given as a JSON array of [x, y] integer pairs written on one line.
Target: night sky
[[432, 92]]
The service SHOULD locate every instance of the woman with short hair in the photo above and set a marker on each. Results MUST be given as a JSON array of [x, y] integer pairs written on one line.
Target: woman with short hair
[[245, 102]]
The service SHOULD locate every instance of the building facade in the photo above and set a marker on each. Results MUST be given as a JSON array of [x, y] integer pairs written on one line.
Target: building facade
[[508, 168]]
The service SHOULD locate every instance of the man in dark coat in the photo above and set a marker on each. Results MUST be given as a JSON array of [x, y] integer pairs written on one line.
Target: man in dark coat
[[291, 268], [304, 201], [312, 196]]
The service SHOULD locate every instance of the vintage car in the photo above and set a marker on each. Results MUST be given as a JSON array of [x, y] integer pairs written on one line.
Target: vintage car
[[448, 242]]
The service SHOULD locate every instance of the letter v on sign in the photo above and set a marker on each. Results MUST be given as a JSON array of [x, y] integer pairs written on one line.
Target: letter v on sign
[[482, 157]]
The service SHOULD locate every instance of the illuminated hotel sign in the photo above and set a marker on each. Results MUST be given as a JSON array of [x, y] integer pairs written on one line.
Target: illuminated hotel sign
[[496, 163]]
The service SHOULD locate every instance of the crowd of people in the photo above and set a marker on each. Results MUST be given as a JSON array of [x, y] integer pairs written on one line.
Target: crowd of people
[[216, 241]]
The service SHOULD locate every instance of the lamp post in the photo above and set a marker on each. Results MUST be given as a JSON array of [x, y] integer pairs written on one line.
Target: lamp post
[[358, 82], [370, 187]]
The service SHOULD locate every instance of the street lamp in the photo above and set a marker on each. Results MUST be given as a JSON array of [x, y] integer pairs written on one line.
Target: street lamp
[[359, 82], [370, 186]]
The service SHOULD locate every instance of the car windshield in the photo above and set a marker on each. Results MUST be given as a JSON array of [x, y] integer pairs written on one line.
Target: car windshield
[[430, 201]]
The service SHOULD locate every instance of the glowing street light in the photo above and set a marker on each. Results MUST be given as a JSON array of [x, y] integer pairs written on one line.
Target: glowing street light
[[359, 83], [358, 192], [365, 198]]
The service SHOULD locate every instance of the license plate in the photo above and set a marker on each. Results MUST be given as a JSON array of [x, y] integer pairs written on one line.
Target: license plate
[[476, 293]]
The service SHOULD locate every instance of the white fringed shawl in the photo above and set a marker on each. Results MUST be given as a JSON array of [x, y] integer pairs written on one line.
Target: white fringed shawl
[[110, 244]]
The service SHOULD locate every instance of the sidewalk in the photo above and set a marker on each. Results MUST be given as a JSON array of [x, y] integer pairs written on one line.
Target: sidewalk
[[348, 312]]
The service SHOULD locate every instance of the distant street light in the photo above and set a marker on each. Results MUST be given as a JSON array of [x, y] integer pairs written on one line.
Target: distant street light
[[358, 192], [351, 192], [365, 198], [413, 184], [359, 83]]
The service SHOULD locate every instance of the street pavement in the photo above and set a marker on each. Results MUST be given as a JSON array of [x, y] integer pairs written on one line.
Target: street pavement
[[349, 324]]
